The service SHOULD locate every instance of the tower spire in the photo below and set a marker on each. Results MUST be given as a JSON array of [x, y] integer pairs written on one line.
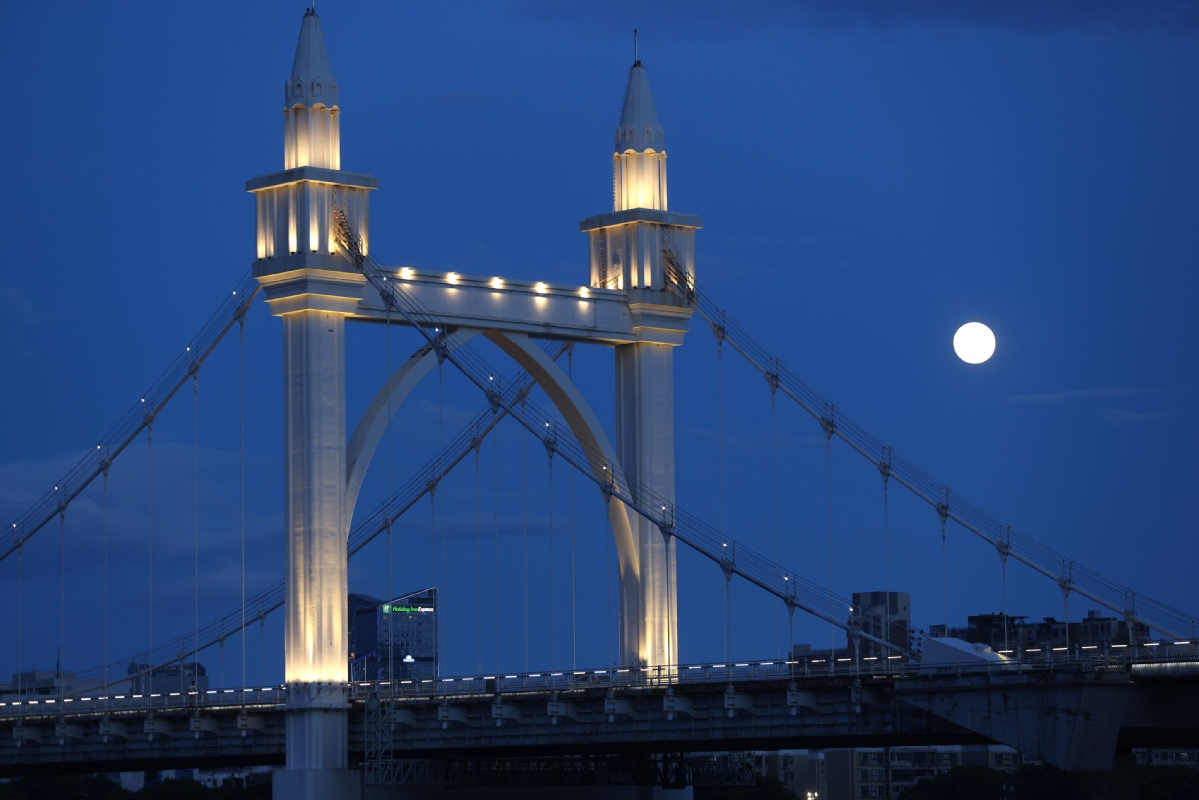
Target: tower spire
[[639, 156], [628, 244], [312, 116]]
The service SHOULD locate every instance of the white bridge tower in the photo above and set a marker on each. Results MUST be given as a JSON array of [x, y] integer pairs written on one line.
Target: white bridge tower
[[313, 289], [636, 251]]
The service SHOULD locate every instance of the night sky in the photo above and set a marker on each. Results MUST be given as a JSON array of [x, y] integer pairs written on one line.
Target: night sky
[[871, 176]]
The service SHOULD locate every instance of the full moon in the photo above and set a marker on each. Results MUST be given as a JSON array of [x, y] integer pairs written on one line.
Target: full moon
[[974, 343]]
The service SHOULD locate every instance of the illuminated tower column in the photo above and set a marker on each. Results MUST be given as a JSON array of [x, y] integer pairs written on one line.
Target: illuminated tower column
[[313, 289], [634, 248]]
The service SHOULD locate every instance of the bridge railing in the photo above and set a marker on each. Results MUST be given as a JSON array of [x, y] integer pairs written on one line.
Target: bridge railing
[[806, 670], [114, 703]]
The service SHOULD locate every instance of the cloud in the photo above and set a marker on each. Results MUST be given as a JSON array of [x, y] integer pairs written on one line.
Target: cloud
[[1124, 416], [1110, 415], [1072, 395], [721, 19]]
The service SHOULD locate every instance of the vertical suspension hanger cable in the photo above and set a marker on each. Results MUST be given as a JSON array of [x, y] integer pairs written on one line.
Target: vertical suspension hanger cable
[[672, 618], [442, 621], [390, 515], [241, 354], [719, 332], [20, 618], [524, 515], [791, 639], [608, 535], [150, 540], [549, 451], [1066, 582], [884, 468], [495, 515], [726, 568], [196, 510], [433, 531], [62, 604], [828, 425], [773, 380], [106, 464], [720, 414], [479, 550], [570, 477], [1005, 548], [943, 513], [261, 649]]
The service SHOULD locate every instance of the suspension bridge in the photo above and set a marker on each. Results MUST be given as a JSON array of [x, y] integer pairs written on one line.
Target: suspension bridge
[[595, 509]]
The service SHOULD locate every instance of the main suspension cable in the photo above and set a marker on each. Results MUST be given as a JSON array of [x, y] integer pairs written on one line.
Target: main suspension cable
[[135, 419]]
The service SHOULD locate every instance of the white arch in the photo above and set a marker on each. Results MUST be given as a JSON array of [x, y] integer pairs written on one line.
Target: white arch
[[577, 414], [373, 424]]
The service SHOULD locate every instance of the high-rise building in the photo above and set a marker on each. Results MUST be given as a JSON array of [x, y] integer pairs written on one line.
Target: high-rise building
[[395, 638]]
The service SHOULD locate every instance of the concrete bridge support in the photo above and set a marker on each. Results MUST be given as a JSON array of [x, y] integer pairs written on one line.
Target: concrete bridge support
[[1075, 718]]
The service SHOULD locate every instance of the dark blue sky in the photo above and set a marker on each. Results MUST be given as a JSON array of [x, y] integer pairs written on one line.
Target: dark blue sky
[[871, 175]]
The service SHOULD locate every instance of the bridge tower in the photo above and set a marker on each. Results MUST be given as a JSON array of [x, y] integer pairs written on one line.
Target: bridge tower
[[635, 247], [313, 288]]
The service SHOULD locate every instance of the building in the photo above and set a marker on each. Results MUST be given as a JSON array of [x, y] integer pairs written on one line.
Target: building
[[883, 615], [363, 613], [38, 683], [1002, 632], [396, 637], [1188, 758], [800, 771], [887, 772], [187, 676], [886, 616]]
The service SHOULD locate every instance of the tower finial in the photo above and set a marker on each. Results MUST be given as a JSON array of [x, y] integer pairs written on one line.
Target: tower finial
[[636, 58]]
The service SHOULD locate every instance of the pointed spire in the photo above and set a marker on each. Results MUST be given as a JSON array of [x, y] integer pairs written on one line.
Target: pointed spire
[[311, 80], [639, 128]]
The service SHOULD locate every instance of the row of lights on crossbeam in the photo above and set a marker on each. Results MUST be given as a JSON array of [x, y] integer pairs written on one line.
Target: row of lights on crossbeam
[[453, 278]]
